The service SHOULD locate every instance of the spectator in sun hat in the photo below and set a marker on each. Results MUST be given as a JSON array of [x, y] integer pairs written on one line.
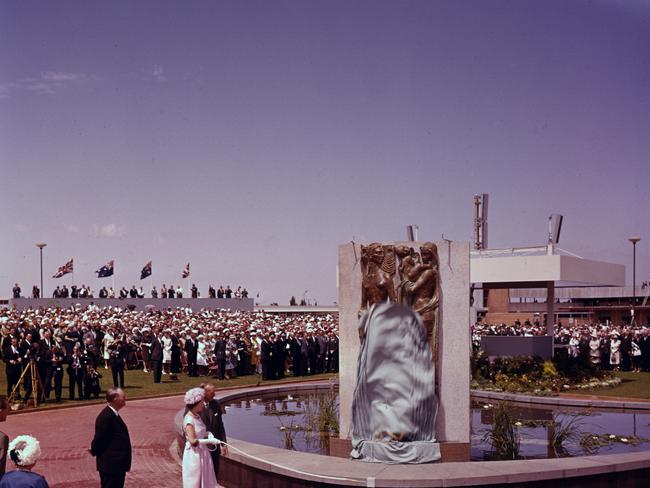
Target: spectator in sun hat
[[24, 451]]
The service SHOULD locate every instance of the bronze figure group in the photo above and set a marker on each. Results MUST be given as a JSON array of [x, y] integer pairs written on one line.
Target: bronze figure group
[[417, 284]]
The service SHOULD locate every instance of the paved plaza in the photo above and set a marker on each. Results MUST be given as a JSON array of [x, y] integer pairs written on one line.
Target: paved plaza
[[65, 437]]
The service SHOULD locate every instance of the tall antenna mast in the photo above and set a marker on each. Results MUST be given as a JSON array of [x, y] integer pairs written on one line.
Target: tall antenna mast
[[480, 221]]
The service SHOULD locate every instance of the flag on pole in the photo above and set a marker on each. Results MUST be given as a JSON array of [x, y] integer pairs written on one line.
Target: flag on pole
[[146, 271], [65, 269], [186, 271], [106, 270]]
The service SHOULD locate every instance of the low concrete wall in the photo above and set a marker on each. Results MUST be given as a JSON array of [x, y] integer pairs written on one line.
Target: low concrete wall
[[578, 401], [243, 304], [518, 346]]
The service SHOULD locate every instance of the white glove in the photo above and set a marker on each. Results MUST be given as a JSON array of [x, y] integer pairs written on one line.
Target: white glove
[[211, 439]]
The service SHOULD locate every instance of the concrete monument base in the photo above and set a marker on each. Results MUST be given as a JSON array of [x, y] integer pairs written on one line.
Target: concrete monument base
[[450, 451], [453, 418]]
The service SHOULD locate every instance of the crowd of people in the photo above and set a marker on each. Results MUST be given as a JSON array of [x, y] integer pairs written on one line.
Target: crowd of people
[[80, 342], [612, 347], [165, 291]]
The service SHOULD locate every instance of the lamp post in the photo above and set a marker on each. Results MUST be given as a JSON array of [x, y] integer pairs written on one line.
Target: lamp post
[[41, 245], [633, 240]]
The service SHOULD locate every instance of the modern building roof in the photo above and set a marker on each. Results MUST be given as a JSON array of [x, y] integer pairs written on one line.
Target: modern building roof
[[533, 267]]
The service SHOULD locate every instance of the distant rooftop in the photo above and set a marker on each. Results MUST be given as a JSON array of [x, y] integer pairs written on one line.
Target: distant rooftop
[[533, 267]]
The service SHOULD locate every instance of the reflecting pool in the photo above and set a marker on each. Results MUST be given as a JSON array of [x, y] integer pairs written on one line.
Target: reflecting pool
[[295, 421]]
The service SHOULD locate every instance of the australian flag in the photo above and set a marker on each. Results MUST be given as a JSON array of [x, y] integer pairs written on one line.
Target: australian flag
[[106, 270], [146, 271], [186, 271], [64, 270]]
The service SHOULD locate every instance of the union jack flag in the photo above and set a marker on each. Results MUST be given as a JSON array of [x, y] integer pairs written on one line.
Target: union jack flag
[[186, 271], [146, 271], [65, 269]]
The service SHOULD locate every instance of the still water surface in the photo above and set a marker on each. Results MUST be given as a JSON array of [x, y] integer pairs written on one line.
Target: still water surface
[[269, 420]]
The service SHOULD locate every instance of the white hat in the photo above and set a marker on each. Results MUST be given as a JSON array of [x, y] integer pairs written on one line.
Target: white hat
[[24, 450], [193, 396]]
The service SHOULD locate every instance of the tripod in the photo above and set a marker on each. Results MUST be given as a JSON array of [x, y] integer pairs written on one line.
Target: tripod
[[35, 383]]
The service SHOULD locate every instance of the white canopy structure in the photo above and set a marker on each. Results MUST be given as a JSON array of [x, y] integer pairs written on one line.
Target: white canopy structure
[[541, 267]]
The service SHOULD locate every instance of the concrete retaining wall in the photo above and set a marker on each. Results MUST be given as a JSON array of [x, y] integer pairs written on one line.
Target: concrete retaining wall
[[243, 304]]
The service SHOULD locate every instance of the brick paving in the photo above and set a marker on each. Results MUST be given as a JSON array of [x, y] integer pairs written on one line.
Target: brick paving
[[65, 437]]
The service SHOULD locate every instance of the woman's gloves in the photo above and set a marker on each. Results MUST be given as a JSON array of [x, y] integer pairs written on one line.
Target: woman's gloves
[[211, 440]]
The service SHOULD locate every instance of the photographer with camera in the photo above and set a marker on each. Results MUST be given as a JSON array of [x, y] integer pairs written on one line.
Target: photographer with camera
[[30, 353], [44, 362], [58, 360], [76, 372]]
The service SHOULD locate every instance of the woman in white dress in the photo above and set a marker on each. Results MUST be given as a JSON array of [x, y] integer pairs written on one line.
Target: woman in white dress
[[594, 349], [574, 345], [202, 356], [107, 341], [166, 343], [198, 471], [615, 352]]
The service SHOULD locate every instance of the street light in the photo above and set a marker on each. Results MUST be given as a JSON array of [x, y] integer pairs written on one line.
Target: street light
[[41, 245], [633, 240]]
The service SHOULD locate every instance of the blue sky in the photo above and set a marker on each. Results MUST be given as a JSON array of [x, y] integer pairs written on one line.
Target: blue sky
[[252, 138]]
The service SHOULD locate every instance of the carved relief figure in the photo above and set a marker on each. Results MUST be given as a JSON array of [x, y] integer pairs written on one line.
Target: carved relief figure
[[378, 268], [408, 259], [420, 286]]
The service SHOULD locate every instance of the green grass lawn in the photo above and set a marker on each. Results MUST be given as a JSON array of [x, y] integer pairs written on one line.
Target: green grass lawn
[[634, 385], [139, 384]]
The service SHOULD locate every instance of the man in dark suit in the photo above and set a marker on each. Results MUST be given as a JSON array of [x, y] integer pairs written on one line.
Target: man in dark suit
[[211, 415], [44, 362], [14, 359], [191, 348], [266, 357], [112, 444], [313, 352], [220, 356], [155, 358], [118, 352]]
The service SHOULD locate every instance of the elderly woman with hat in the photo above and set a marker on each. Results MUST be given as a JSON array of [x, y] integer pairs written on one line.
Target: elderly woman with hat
[[198, 470], [24, 451]]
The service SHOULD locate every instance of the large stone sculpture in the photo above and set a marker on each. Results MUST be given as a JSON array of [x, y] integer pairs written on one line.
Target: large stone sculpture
[[394, 405]]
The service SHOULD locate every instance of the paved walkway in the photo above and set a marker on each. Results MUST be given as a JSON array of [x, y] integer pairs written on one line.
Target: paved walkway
[[65, 437]]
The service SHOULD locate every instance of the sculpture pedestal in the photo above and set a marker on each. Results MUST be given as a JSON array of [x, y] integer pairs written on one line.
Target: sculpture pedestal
[[453, 421], [451, 452]]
